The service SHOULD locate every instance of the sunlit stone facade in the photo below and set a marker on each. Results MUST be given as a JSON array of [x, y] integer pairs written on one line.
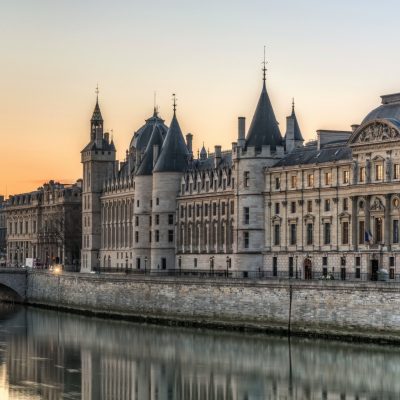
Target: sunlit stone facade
[[45, 225], [270, 204]]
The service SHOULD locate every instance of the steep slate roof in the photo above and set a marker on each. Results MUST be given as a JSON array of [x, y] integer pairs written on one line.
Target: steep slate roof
[[96, 117], [208, 163], [297, 132], [174, 153], [264, 130], [146, 166], [311, 155], [142, 136]]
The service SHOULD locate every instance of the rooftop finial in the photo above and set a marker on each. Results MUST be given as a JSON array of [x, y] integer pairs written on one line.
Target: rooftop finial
[[155, 104], [97, 92], [264, 69], [174, 102], [292, 105]]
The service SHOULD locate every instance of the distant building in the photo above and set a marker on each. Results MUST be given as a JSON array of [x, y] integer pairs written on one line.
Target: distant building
[[270, 204], [45, 225], [3, 229]]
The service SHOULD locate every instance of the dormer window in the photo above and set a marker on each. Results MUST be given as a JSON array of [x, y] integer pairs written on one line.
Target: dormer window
[[310, 180]]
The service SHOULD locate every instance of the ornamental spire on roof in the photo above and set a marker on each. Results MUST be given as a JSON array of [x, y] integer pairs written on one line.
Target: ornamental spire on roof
[[264, 129], [174, 155], [97, 113]]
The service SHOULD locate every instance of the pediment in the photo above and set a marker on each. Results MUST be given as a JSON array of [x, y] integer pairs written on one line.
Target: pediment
[[344, 214], [377, 131]]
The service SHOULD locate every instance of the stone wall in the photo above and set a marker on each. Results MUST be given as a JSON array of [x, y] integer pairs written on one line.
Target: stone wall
[[325, 308]]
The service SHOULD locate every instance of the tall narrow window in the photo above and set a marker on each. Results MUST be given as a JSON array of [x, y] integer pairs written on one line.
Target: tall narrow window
[[378, 172], [395, 231], [361, 232], [293, 207], [396, 171], [378, 230], [310, 180], [277, 183], [309, 234], [277, 235], [345, 232], [293, 181], [345, 204], [246, 240], [277, 208], [361, 175], [328, 178], [246, 215], [327, 205], [309, 206], [293, 234], [327, 233], [345, 176], [246, 178]]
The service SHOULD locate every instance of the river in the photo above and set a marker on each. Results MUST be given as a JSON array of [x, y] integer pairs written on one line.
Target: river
[[53, 355]]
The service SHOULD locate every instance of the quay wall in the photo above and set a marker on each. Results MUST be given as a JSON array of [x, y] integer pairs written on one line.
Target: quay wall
[[323, 308]]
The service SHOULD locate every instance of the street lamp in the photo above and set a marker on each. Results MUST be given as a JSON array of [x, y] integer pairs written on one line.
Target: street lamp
[[228, 265], [126, 264], [297, 276], [180, 264], [211, 263], [145, 265]]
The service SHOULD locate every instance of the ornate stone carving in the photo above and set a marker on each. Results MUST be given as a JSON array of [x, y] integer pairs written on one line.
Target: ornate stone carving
[[377, 205], [377, 132]]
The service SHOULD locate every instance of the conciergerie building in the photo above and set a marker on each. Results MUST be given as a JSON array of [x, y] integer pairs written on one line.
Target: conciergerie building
[[271, 204]]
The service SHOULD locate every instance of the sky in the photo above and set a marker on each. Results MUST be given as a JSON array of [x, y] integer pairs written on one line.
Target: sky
[[335, 58]]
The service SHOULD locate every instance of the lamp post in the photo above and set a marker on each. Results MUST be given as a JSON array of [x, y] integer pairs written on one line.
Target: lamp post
[[297, 276], [126, 264], [180, 264], [211, 264], [145, 265]]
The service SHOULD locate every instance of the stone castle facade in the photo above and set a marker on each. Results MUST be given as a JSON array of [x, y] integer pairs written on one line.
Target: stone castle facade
[[270, 204]]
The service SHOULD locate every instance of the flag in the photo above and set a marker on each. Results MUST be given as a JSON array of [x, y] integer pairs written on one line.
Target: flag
[[367, 236]]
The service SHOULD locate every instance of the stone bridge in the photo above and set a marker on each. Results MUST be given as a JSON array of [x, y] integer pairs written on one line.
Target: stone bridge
[[13, 284]]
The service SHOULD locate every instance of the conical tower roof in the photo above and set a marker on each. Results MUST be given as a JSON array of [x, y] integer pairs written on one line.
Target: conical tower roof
[[264, 129], [97, 113], [297, 132], [174, 154], [146, 166]]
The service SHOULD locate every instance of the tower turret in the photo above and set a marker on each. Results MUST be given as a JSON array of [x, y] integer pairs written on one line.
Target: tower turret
[[293, 136]]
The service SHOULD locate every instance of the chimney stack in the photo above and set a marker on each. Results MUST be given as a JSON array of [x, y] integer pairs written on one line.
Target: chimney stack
[[241, 131], [217, 156], [189, 143]]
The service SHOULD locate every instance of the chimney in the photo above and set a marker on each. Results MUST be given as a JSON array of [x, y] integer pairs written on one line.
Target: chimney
[[189, 143], [217, 156], [107, 137], [241, 131], [156, 148], [99, 137]]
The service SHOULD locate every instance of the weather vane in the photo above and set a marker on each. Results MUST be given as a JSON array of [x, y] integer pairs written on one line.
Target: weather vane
[[174, 101], [264, 63], [97, 91]]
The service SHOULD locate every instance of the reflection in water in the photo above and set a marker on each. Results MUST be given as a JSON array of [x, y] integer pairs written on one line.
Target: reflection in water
[[50, 355]]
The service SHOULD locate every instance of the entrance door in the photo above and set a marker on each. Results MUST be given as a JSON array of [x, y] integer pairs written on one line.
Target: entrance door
[[307, 269], [374, 270]]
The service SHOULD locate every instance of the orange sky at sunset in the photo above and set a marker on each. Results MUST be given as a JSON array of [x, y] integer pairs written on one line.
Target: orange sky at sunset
[[54, 54]]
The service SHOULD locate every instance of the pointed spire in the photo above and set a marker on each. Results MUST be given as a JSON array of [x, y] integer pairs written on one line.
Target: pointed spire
[[264, 69], [264, 129], [174, 155], [292, 106], [174, 102], [96, 117]]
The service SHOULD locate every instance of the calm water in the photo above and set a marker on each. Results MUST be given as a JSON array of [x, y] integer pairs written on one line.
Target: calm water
[[50, 355]]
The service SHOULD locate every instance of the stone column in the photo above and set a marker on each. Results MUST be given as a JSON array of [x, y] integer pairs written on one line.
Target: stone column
[[354, 223], [388, 198]]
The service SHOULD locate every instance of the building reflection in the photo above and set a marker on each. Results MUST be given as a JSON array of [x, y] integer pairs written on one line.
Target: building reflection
[[49, 355]]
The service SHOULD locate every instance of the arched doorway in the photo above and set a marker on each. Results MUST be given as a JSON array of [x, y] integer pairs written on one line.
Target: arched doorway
[[307, 269]]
